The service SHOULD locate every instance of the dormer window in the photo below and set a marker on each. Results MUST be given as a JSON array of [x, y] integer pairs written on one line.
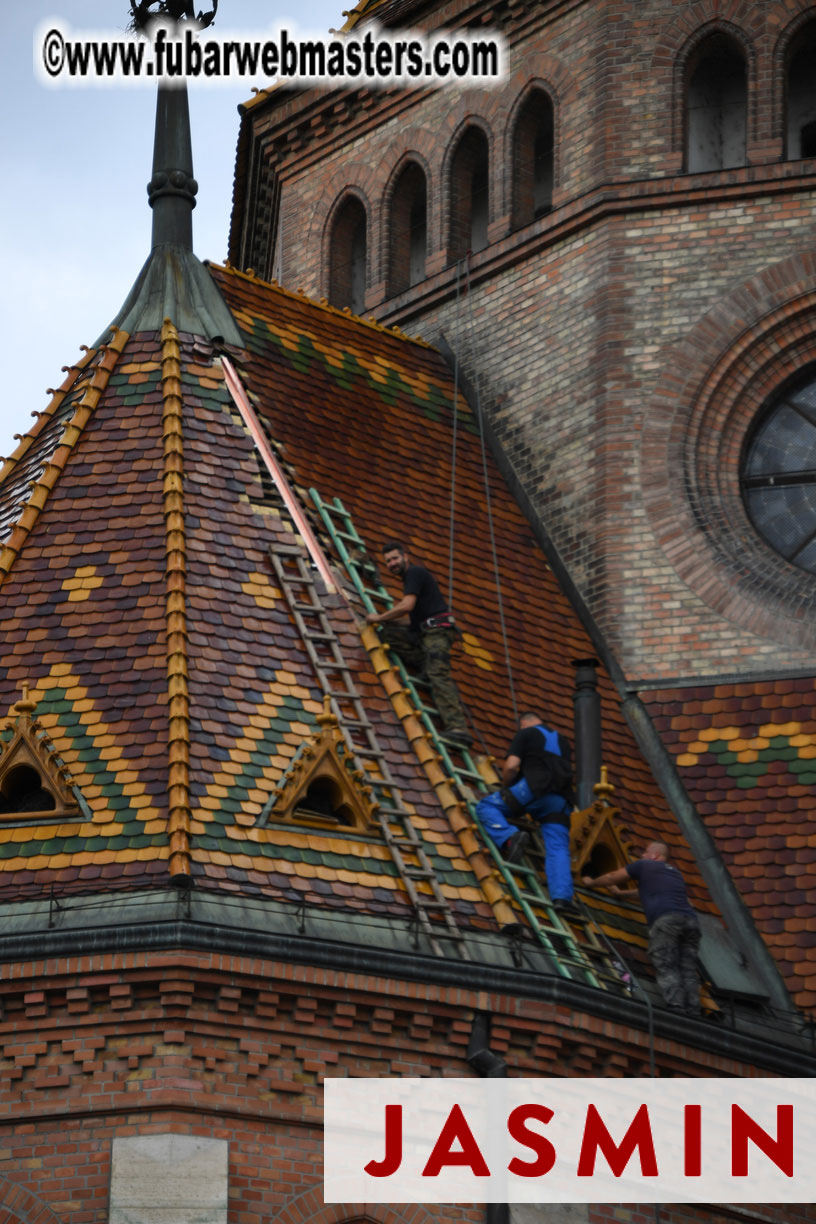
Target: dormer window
[[22, 791], [34, 782], [322, 786], [323, 803]]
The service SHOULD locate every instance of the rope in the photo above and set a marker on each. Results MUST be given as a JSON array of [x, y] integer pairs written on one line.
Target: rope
[[488, 504], [453, 456]]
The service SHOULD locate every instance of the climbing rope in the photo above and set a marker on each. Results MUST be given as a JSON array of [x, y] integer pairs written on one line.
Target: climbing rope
[[488, 504], [453, 455]]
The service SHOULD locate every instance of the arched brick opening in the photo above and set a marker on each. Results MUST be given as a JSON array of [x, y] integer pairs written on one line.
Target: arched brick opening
[[717, 382], [469, 194], [533, 158], [800, 93], [309, 1208], [348, 256], [715, 105], [408, 231], [20, 1206]]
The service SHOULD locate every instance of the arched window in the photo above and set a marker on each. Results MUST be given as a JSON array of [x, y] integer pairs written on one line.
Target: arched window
[[800, 95], [409, 229], [348, 256], [533, 145], [469, 194], [716, 106]]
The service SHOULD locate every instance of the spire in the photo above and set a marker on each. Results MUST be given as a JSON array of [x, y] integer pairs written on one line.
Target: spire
[[174, 284], [172, 190]]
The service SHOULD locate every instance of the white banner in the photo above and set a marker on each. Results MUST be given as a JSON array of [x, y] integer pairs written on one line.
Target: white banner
[[570, 1141]]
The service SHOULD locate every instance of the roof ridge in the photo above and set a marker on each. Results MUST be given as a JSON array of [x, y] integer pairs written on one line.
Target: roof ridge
[[55, 463], [58, 395], [457, 815], [178, 710], [300, 295]]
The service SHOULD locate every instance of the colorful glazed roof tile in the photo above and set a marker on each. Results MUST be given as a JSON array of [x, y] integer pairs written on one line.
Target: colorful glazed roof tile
[[142, 608], [747, 756]]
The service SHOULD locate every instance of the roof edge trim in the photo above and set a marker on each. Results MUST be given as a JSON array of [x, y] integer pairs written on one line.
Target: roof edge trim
[[41, 489], [319, 303], [178, 709], [58, 394]]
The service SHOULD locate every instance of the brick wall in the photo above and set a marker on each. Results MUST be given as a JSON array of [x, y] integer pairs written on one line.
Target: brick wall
[[237, 1048]]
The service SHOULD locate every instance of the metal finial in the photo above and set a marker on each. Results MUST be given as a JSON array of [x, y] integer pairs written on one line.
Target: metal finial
[[25, 705], [174, 10]]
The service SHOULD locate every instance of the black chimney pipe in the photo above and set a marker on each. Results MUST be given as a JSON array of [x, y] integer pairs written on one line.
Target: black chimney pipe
[[587, 706]]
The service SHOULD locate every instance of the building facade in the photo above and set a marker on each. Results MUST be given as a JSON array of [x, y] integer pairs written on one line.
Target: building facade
[[238, 855]]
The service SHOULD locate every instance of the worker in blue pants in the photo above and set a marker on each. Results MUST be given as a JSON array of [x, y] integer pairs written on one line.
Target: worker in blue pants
[[537, 779]]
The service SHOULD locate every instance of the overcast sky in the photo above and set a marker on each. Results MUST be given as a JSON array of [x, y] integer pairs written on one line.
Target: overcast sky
[[76, 223]]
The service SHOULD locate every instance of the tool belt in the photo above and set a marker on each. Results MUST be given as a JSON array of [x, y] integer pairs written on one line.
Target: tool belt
[[443, 620]]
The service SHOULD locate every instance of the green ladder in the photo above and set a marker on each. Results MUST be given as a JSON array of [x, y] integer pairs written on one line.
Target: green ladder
[[586, 960]]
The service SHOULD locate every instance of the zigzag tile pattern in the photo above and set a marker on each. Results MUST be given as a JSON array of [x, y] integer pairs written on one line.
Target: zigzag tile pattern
[[254, 696], [747, 755], [83, 623]]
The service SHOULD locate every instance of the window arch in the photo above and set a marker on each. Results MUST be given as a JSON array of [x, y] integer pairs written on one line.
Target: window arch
[[469, 180], [800, 95], [533, 158], [348, 256], [409, 229], [716, 106]]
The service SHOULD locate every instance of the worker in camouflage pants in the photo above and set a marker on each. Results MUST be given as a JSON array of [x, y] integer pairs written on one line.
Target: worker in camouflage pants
[[424, 644], [674, 929]]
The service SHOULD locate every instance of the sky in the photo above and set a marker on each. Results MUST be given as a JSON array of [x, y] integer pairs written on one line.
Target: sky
[[76, 161]]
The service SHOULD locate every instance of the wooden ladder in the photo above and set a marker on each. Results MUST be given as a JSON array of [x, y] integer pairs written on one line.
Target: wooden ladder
[[302, 588]]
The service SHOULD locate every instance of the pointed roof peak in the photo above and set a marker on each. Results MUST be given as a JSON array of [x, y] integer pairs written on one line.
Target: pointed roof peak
[[173, 283]]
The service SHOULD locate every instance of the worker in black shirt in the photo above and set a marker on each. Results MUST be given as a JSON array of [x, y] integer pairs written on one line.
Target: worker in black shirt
[[537, 779], [424, 644]]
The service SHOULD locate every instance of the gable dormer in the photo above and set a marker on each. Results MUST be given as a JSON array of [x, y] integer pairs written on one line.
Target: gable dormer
[[323, 787], [34, 783], [598, 843]]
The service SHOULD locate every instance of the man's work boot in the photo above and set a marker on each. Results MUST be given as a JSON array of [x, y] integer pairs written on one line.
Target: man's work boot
[[458, 735], [513, 849]]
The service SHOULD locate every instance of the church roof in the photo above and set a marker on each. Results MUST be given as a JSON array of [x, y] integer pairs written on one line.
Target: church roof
[[143, 610], [98, 552]]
